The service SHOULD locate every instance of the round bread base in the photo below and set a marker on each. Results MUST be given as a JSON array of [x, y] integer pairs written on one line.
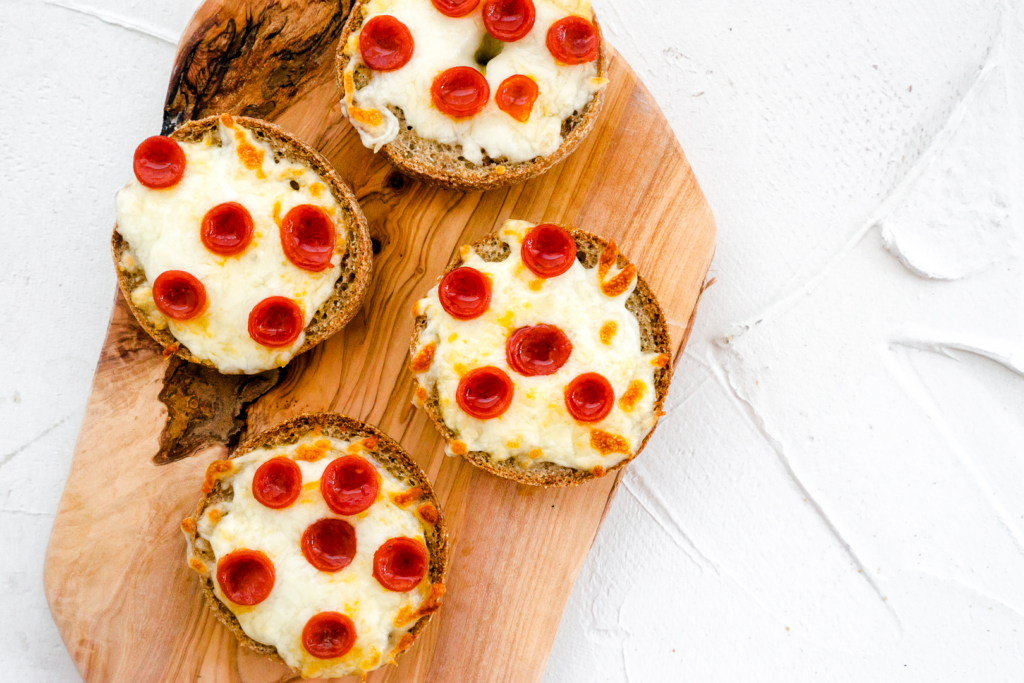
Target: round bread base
[[443, 165], [356, 262], [389, 455], [654, 338]]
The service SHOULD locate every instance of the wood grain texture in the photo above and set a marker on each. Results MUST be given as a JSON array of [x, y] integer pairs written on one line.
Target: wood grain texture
[[125, 603]]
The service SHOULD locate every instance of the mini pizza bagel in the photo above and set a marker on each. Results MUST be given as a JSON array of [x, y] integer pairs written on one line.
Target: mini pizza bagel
[[320, 543], [472, 95], [541, 355], [237, 246]]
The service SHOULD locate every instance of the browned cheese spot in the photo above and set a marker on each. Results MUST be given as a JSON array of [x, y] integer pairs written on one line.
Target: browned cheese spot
[[428, 513], [430, 604], [606, 443], [620, 283], [370, 117], [423, 358], [218, 469], [634, 392], [249, 155], [314, 451], [608, 331], [606, 260], [403, 498], [405, 643], [277, 213]]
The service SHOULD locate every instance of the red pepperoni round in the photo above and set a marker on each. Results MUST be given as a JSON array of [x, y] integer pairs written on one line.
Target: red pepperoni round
[[485, 393], [329, 544], [159, 162], [277, 483], [246, 577], [548, 250], [509, 20], [226, 229], [538, 350], [307, 237], [276, 321], [328, 635], [385, 43], [589, 397], [465, 293], [455, 8], [573, 40], [460, 91], [349, 485], [400, 564], [516, 96], [179, 295]]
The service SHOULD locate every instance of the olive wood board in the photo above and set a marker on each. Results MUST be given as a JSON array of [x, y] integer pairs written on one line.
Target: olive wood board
[[126, 604]]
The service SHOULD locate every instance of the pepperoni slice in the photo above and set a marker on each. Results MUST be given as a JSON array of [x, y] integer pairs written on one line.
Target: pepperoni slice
[[465, 293], [573, 40], [277, 483], [328, 635], [548, 250], [589, 397], [455, 8], [307, 237], [349, 485], [276, 321], [246, 577], [159, 162], [538, 350], [329, 544], [516, 96], [509, 20], [385, 43], [400, 564], [179, 295], [485, 393], [460, 91], [226, 229]]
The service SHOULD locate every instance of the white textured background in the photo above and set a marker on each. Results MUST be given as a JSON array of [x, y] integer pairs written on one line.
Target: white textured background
[[837, 492]]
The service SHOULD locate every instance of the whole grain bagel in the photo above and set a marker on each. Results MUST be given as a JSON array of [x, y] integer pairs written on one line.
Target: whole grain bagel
[[442, 164], [655, 338], [388, 454], [356, 262]]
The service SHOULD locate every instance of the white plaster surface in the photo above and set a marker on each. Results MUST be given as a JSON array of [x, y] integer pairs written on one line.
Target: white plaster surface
[[837, 492]]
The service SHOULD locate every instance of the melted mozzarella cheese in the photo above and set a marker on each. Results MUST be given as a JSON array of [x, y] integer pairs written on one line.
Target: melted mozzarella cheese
[[537, 427], [442, 42], [300, 590], [162, 228]]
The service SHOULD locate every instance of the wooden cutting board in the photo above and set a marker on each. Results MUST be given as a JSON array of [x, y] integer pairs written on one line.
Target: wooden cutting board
[[126, 605]]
